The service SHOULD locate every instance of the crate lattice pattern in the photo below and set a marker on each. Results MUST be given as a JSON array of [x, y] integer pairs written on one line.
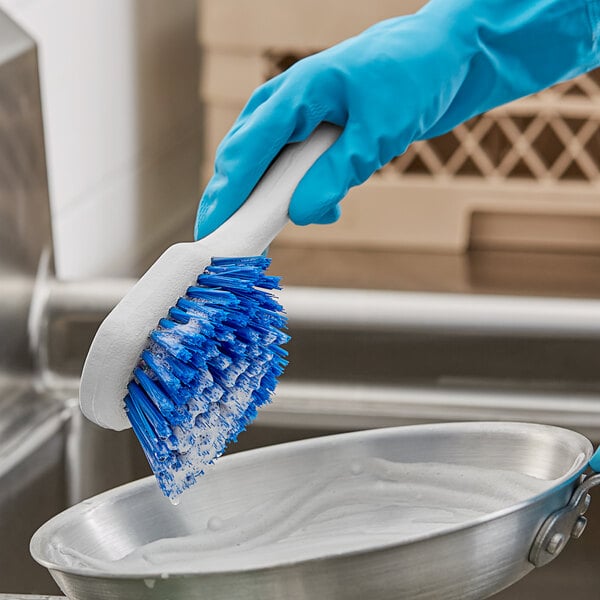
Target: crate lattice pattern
[[550, 138]]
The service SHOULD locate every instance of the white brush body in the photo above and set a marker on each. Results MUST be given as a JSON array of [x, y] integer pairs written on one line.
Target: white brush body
[[122, 336]]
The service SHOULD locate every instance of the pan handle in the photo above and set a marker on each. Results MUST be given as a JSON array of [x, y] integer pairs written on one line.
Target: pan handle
[[595, 461], [565, 523]]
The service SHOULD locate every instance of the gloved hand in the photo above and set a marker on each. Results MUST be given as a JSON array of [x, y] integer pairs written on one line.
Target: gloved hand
[[404, 79]]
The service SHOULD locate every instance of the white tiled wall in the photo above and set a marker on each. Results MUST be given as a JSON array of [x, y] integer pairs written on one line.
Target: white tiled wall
[[119, 93]]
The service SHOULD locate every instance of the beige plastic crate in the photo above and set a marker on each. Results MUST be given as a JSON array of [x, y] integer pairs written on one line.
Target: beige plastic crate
[[526, 175], [244, 25]]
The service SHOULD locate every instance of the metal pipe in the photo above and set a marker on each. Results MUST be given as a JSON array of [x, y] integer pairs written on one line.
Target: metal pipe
[[441, 313], [68, 315], [72, 303], [94, 298], [72, 311]]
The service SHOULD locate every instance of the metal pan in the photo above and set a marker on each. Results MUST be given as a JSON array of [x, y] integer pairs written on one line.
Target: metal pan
[[473, 558]]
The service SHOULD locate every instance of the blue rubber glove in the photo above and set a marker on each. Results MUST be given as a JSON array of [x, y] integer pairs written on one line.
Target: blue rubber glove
[[404, 79]]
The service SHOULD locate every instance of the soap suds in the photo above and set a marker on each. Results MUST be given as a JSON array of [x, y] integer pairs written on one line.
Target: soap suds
[[344, 508]]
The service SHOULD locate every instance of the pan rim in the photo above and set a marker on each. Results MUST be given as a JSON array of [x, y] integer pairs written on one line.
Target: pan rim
[[52, 525]]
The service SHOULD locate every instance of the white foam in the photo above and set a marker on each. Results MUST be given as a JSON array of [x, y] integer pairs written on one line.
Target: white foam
[[347, 507]]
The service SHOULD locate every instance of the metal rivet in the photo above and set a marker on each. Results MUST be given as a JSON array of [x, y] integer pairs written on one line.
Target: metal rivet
[[555, 543], [578, 527], [586, 503]]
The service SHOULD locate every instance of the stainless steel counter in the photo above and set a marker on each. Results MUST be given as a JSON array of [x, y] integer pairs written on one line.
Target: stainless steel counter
[[365, 359]]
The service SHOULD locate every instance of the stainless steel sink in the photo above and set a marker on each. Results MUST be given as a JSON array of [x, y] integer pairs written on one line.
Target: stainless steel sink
[[379, 352], [45, 453]]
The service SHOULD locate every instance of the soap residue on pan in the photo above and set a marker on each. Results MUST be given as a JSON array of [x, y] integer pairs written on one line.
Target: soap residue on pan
[[362, 505]]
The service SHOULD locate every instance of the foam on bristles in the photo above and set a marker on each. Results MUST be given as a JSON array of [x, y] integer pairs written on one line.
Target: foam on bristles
[[206, 369]]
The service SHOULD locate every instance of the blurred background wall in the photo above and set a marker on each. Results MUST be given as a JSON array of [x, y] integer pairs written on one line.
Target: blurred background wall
[[119, 93]]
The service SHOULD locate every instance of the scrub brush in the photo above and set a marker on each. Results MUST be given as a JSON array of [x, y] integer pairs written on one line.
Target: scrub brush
[[186, 359]]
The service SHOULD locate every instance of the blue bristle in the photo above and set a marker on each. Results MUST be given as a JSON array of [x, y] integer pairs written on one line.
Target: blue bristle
[[224, 282], [178, 316], [209, 364], [220, 297], [250, 336], [197, 309], [220, 362], [169, 383], [155, 419], [170, 343], [179, 369], [154, 393], [153, 446], [260, 262]]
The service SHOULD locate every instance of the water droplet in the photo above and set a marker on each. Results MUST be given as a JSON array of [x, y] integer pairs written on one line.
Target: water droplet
[[215, 523], [164, 576], [149, 583], [175, 501], [356, 468]]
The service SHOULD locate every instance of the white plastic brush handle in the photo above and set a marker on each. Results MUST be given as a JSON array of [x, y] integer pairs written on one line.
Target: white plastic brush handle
[[122, 336], [264, 214]]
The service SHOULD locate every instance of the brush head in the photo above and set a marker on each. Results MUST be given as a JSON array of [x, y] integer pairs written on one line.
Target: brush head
[[122, 336], [184, 403], [206, 369]]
